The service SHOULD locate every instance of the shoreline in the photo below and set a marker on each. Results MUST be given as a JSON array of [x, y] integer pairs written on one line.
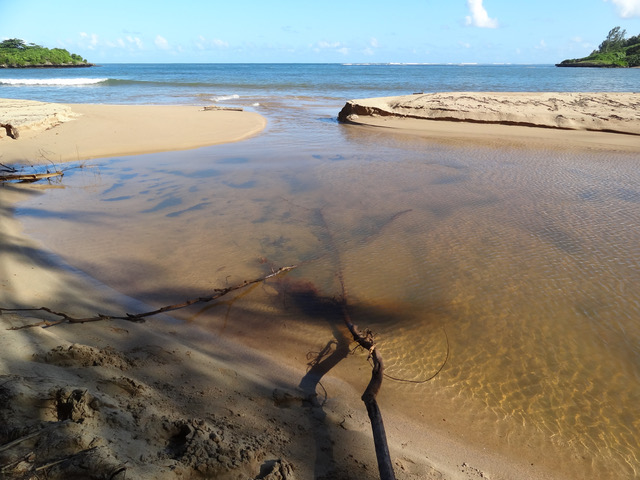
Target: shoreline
[[73, 132], [44, 65], [136, 388]]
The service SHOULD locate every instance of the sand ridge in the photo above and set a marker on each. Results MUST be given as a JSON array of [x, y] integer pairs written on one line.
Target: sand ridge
[[602, 112]]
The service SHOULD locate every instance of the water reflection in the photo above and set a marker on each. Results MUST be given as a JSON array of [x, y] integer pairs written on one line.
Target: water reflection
[[525, 264]]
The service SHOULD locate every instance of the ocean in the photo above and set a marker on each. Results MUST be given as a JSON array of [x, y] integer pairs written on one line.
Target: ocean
[[518, 269], [256, 83]]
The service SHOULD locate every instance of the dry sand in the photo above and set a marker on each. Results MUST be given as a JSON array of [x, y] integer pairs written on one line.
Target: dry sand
[[163, 399], [602, 121], [59, 133]]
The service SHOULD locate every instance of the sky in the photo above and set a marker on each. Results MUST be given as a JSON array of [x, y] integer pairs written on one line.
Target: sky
[[331, 31]]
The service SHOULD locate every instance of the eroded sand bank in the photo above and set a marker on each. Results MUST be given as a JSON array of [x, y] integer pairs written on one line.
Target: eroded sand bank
[[609, 121]]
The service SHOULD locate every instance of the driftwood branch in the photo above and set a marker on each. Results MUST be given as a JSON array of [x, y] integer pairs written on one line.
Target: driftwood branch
[[139, 317], [11, 130], [29, 177], [214, 107], [366, 341], [18, 441], [12, 174]]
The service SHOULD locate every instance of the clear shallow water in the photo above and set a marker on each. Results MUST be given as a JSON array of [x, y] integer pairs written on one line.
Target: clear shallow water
[[528, 260]]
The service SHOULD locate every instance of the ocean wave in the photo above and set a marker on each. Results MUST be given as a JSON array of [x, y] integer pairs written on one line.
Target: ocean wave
[[51, 82], [222, 98]]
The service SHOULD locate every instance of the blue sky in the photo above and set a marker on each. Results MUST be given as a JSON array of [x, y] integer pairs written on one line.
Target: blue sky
[[423, 31]]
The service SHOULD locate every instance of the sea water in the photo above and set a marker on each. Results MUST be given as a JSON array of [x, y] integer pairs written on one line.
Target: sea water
[[197, 83], [518, 269]]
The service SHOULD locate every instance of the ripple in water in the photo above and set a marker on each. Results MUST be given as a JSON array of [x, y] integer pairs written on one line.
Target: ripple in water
[[523, 264]]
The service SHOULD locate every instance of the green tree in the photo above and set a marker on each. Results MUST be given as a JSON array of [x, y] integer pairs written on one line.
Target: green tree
[[614, 40], [13, 43], [16, 53]]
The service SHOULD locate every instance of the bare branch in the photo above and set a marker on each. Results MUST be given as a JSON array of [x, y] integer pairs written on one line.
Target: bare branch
[[139, 317], [29, 177]]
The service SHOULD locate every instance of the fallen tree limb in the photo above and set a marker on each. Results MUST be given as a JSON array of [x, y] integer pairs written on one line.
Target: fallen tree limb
[[29, 177], [366, 341], [18, 441], [139, 317], [64, 459]]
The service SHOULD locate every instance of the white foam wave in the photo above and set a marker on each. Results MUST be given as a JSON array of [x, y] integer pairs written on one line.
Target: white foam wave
[[222, 98], [49, 82]]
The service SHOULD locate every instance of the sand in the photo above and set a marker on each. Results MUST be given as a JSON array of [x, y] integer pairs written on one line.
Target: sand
[[56, 133], [163, 399], [598, 121]]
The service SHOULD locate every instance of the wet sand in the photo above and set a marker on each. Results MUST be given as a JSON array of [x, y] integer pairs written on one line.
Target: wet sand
[[205, 405], [166, 399]]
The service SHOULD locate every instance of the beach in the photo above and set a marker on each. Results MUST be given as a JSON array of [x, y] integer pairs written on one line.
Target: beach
[[94, 131], [168, 399]]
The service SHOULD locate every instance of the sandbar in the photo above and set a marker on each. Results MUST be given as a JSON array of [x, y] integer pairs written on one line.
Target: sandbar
[[50, 132], [598, 121]]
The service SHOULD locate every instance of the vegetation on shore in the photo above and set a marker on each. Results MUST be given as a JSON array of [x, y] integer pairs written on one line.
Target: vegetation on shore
[[15, 53], [615, 51]]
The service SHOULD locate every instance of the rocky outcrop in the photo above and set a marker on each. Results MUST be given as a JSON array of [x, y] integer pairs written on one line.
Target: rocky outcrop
[[50, 65]]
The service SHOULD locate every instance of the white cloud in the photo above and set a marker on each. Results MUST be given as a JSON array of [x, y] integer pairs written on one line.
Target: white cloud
[[204, 44], [336, 46], [479, 16], [161, 42], [93, 39], [541, 46], [374, 42], [135, 40], [328, 44], [627, 8], [579, 42], [129, 43]]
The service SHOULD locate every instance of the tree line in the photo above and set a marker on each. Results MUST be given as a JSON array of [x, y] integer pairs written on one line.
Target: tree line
[[14, 52], [615, 51]]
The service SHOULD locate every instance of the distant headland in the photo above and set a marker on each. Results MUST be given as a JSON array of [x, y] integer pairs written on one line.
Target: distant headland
[[15, 53], [616, 51]]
